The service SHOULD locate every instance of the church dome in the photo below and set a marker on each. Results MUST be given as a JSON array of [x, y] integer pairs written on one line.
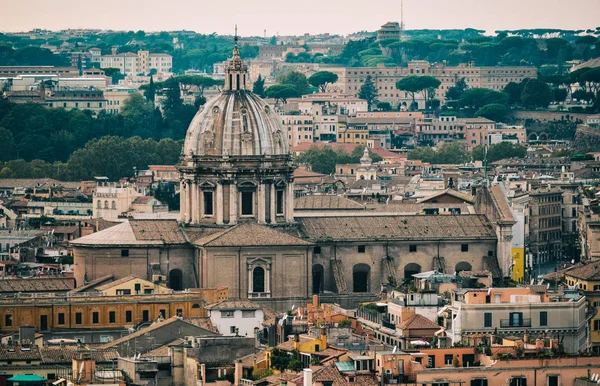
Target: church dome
[[236, 122]]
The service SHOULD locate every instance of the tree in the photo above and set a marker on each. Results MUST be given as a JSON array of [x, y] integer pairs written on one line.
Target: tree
[[535, 94], [454, 92], [384, 106], [499, 151], [476, 98], [7, 145], [494, 111], [514, 91], [321, 79], [173, 95], [259, 86], [411, 85], [150, 93], [281, 92], [296, 80], [138, 116], [368, 91], [559, 94]]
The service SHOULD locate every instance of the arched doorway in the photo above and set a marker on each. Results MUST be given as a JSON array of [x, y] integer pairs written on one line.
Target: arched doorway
[[463, 266], [176, 280], [360, 278], [318, 276], [411, 269], [258, 280]]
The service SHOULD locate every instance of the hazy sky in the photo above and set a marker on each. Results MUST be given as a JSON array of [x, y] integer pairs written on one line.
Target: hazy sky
[[295, 17]]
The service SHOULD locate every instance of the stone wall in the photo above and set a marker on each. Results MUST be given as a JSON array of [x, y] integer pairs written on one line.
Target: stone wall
[[545, 116]]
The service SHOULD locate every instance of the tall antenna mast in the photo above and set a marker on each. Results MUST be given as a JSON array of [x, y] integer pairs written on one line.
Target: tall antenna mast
[[401, 19], [235, 38]]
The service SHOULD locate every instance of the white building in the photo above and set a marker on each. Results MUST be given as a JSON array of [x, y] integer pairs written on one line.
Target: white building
[[136, 64], [115, 97], [112, 201], [236, 317]]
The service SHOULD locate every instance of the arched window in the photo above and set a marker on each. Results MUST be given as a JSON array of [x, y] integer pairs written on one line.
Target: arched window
[[105, 204], [258, 280], [114, 205], [195, 305], [99, 205]]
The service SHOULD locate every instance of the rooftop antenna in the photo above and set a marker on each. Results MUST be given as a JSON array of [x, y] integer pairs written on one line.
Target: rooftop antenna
[[235, 38], [401, 19]]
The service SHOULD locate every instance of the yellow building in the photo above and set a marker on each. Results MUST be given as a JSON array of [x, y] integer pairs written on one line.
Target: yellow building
[[132, 285], [358, 135], [587, 280]]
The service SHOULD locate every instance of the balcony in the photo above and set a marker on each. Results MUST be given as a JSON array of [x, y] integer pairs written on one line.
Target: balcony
[[508, 323]]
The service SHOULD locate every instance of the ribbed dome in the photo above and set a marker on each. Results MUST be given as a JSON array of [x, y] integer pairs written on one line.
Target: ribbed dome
[[235, 122]]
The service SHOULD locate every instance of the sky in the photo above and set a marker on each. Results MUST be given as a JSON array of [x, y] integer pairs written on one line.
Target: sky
[[289, 17]]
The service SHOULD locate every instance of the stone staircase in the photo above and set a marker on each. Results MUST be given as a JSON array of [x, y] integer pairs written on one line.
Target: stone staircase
[[338, 276]]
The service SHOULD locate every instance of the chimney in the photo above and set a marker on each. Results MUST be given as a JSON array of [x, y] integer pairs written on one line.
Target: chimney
[[323, 338], [308, 377], [203, 372], [315, 302], [238, 372], [296, 342]]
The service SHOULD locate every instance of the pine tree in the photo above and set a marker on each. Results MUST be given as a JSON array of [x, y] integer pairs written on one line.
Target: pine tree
[[368, 91], [151, 91], [259, 87]]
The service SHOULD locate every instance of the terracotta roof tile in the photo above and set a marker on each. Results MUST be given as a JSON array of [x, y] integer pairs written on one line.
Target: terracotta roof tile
[[501, 203], [418, 322], [46, 284], [250, 235], [16, 352], [234, 304], [66, 354], [326, 202], [587, 272], [413, 227]]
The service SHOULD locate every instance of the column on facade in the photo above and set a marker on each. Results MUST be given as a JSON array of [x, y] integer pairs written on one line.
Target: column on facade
[[261, 203], [289, 202], [200, 207], [268, 279], [250, 279], [194, 208], [182, 202], [189, 201], [219, 201], [273, 204], [233, 203]]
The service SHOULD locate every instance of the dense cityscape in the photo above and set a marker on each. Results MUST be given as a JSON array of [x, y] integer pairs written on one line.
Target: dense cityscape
[[393, 206]]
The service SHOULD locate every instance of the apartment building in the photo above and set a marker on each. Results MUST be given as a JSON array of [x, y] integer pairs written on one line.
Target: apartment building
[[12, 71], [116, 96], [587, 279], [135, 64], [111, 200], [385, 78], [525, 312], [545, 225], [430, 131], [390, 30], [333, 102], [299, 128], [77, 99], [375, 128]]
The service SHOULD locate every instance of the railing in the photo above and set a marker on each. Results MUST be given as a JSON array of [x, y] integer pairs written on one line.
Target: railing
[[505, 323], [387, 324]]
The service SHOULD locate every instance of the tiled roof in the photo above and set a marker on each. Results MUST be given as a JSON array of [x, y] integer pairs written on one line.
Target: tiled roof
[[19, 353], [65, 354], [45, 284], [233, 304], [101, 223], [36, 183], [396, 227], [250, 235], [418, 322], [135, 232], [414, 208], [60, 229], [587, 272], [201, 321], [142, 200], [250, 360], [154, 326], [329, 374], [116, 282], [450, 192], [163, 351], [326, 202], [303, 173], [92, 285], [289, 344], [501, 203]]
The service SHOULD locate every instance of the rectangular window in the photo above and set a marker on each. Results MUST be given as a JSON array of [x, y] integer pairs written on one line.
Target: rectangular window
[[543, 318], [95, 317], [597, 325], [232, 330], [226, 314], [412, 248], [479, 382], [317, 250], [179, 312], [279, 202], [516, 319], [145, 315], [518, 381], [361, 249], [248, 314], [8, 320], [464, 247], [137, 287], [104, 338], [61, 318], [487, 319], [78, 318], [163, 313], [112, 317], [247, 204], [124, 292], [448, 358], [208, 203], [128, 316], [553, 380], [124, 252]]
